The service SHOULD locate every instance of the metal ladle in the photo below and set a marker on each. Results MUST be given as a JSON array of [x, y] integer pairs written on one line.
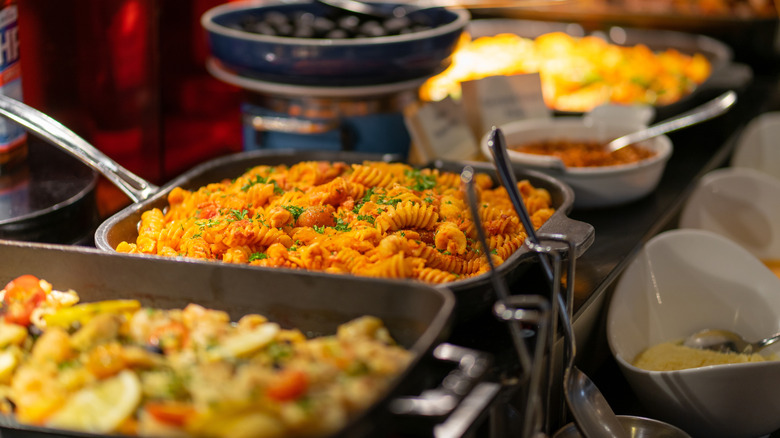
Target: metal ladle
[[726, 341], [706, 111], [591, 410]]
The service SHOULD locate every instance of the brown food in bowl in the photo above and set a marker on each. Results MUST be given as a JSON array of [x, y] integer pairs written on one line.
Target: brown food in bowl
[[585, 153]]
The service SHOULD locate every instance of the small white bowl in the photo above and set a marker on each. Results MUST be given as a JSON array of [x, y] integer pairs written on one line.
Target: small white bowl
[[682, 281], [741, 204], [757, 145], [593, 186]]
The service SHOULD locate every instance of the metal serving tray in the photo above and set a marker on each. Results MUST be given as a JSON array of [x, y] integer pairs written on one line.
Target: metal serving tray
[[418, 316], [719, 54], [474, 295]]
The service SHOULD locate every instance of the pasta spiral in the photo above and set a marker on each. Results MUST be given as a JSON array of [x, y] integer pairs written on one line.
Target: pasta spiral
[[372, 219]]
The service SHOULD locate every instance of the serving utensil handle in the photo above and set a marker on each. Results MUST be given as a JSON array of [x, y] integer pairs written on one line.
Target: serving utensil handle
[[137, 188]]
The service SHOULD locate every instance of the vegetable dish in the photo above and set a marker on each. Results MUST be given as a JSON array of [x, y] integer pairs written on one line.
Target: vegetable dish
[[373, 219], [577, 74], [118, 367]]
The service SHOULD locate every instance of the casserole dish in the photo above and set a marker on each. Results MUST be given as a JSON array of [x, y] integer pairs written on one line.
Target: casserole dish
[[474, 294], [418, 316]]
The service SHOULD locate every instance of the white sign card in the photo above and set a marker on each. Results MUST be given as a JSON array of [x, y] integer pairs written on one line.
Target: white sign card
[[439, 131], [496, 100]]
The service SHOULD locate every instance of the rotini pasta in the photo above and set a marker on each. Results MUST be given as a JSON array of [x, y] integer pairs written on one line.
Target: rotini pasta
[[373, 219]]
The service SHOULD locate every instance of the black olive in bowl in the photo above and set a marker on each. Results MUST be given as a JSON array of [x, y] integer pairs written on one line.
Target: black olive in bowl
[[310, 43]]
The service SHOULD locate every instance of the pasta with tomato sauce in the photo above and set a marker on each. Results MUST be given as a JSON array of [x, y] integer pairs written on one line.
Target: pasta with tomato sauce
[[373, 219]]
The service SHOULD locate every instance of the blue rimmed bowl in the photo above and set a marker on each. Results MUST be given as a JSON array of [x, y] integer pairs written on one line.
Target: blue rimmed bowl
[[330, 62]]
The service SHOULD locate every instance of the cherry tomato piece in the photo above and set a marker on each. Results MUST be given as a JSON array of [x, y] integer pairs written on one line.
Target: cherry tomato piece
[[22, 296]]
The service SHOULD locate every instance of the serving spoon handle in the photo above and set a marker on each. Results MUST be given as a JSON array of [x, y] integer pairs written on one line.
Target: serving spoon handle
[[727, 342], [711, 109], [45, 127]]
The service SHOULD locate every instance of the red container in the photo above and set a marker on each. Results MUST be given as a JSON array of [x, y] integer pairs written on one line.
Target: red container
[[13, 139], [129, 76]]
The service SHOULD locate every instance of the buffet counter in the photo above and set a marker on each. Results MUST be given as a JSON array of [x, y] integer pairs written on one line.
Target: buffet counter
[[621, 231]]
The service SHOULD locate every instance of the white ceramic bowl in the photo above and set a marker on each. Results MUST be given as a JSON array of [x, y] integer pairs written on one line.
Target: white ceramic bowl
[[682, 281], [593, 186], [742, 204], [757, 145]]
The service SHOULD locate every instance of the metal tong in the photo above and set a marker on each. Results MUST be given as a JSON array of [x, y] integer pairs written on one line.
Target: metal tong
[[515, 310], [596, 419]]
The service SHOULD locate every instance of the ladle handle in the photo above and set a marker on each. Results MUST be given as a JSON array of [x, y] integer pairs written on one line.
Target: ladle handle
[[701, 113], [57, 134]]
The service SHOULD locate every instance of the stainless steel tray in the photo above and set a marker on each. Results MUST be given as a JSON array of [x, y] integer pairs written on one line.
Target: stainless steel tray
[[418, 316], [474, 295], [719, 54]]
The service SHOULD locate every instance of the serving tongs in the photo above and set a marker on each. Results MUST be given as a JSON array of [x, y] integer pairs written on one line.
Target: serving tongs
[[591, 411], [517, 309]]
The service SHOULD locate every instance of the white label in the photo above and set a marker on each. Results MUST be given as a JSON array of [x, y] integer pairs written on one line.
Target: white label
[[496, 100], [439, 131]]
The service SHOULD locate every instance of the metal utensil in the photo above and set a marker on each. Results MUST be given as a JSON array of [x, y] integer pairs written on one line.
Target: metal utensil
[[57, 134], [589, 407], [383, 9], [642, 427], [498, 283], [707, 111], [507, 309], [727, 341]]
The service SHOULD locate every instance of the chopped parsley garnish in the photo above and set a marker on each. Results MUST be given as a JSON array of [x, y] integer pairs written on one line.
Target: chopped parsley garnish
[[319, 229], [367, 196], [294, 210], [341, 225], [367, 218], [258, 180], [383, 200], [262, 180], [239, 215], [258, 256], [420, 181]]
